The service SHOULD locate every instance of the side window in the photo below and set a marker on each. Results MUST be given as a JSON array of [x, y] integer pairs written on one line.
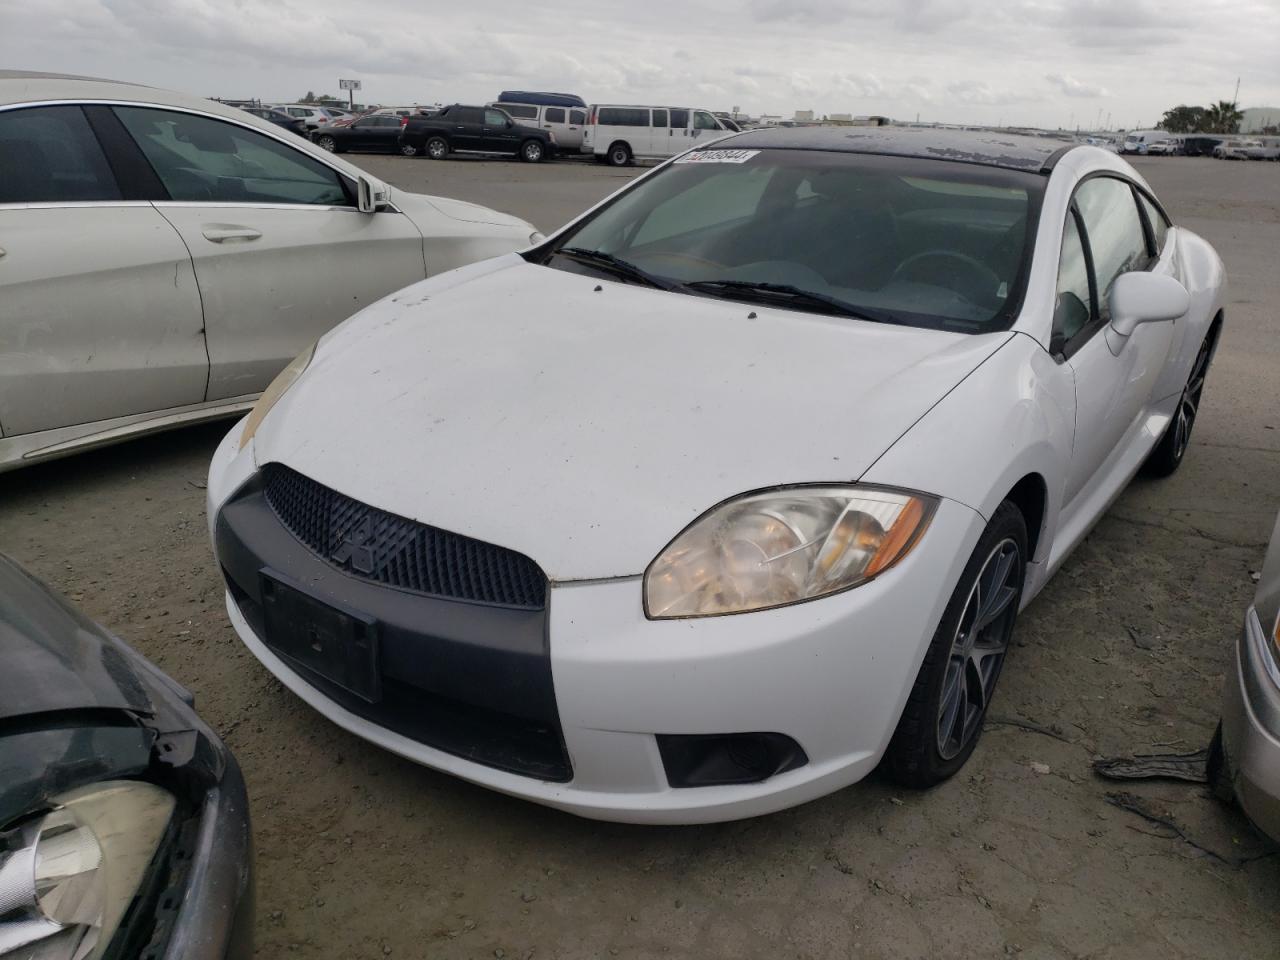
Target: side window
[[624, 117], [660, 118], [50, 155], [521, 110], [1159, 225], [203, 160], [704, 121], [679, 119], [554, 115], [1073, 309], [578, 116], [495, 118], [1116, 238]]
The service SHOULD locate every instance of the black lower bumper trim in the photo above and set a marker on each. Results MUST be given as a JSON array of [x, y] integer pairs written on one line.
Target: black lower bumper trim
[[470, 679]]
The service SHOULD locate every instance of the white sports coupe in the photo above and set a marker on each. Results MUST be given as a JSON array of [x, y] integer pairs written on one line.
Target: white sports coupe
[[162, 257], [732, 489]]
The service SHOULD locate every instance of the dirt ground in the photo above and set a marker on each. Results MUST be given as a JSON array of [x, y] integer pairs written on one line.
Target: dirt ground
[[362, 854]]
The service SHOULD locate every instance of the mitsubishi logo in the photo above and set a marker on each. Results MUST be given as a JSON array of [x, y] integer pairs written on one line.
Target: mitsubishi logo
[[354, 550]]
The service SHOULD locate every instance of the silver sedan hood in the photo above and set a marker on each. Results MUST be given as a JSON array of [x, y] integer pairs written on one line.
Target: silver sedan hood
[[585, 422]]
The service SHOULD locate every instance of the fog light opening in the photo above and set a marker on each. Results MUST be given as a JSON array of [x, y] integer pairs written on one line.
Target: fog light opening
[[706, 760]]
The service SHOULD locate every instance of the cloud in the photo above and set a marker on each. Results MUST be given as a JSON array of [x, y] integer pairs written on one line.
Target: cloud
[[1072, 87], [978, 93]]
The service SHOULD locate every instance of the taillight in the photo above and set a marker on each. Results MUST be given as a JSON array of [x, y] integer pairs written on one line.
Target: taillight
[[404, 121], [591, 117]]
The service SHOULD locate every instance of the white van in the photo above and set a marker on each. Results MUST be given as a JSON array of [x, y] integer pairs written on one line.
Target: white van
[[567, 123], [620, 134]]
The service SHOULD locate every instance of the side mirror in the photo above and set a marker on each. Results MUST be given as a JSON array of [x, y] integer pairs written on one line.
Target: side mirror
[[1138, 298], [370, 195]]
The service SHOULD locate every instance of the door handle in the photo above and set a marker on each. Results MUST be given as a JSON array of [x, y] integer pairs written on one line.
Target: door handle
[[229, 232]]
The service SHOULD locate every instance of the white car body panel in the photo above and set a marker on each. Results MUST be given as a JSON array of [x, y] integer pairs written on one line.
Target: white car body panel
[[585, 423], [77, 284], [556, 395], [123, 333]]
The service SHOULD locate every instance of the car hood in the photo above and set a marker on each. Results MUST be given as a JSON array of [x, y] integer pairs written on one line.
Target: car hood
[[457, 210], [586, 422], [56, 659]]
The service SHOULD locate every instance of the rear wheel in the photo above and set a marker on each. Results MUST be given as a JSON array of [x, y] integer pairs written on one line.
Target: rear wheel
[[619, 155], [327, 143], [408, 150], [1168, 454], [531, 151], [943, 718], [437, 148]]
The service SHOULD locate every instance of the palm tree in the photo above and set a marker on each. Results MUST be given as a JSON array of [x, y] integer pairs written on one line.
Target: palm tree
[[1182, 119], [1223, 117]]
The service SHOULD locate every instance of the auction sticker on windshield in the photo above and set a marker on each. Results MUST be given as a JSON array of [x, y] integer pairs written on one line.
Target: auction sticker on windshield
[[718, 156]]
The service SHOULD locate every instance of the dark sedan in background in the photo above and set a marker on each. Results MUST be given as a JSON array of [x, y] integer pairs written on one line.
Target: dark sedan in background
[[124, 822], [279, 118], [376, 132]]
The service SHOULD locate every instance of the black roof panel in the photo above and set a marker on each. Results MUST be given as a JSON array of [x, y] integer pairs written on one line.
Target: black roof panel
[[1013, 151]]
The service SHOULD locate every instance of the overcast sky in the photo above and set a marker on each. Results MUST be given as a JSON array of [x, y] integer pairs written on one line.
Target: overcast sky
[[1034, 62]]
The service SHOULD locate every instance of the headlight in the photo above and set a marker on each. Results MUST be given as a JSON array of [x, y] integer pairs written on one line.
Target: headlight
[[67, 879], [536, 238], [275, 390], [784, 546]]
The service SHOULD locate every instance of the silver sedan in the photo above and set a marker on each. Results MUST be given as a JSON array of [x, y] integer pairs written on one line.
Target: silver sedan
[[162, 257]]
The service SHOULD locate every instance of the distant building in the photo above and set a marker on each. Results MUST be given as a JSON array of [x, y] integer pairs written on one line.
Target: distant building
[[803, 116], [1257, 119]]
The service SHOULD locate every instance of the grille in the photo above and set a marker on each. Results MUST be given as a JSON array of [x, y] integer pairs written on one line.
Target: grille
[[375, 545]]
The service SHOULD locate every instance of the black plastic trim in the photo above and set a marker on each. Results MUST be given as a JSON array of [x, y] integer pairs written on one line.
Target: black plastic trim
[[708, 760], [467, 678]]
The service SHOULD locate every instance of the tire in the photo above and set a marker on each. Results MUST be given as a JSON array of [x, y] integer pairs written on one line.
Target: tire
[[942, 721], [532, 151], [619, 155], [408, 150], [1169, 452], [437, 148], [327, 143]]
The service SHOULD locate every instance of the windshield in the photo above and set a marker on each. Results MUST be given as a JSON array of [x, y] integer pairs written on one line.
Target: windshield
[[922, 242]]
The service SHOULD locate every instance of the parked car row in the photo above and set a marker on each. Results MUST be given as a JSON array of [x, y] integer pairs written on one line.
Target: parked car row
[[1157, 143]]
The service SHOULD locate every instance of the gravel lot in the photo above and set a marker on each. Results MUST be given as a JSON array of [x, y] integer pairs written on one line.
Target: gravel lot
[[362, 854]]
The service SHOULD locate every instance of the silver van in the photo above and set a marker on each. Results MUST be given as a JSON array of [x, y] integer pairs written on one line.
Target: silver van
[[567, 123]]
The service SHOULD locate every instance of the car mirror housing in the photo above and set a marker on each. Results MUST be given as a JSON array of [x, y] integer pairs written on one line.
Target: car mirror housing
[[1139, 297], [371, 195]]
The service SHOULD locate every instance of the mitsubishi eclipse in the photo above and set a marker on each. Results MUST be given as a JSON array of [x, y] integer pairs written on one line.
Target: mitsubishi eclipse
[[732, 489]]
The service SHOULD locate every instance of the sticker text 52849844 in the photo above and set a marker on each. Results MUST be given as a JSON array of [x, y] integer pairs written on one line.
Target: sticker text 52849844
[[718, 156]]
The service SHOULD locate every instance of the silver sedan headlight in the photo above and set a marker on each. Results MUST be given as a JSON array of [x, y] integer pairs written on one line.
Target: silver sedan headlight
[[783, 546], [67, 878]]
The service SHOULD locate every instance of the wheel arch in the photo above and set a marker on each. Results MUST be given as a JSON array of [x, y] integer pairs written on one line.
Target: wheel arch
[[1031, 496], [625, 144]]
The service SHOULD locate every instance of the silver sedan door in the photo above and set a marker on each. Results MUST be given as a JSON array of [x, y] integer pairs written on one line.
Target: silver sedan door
[[281, 253], [99, 310]]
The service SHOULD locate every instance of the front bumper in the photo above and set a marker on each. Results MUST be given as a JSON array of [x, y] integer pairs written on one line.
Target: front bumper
[[832, 674], [1251, 727]]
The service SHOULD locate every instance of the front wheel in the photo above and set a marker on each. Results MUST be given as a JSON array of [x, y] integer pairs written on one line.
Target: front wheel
[[1168, 454], [437, 148], [327, 143], [531, 151], [943, 718]]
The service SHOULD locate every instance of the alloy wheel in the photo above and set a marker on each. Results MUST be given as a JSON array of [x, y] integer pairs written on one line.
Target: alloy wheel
[[1190, 403], [436, 149], [327, 143], [978, 648]]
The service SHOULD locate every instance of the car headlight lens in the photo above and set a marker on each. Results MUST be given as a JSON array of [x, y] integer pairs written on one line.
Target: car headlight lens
[[536, 238], [67, 879], [275, 390], [784, 546]]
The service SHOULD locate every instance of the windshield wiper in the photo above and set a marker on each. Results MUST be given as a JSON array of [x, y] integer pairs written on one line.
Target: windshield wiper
[[785, 293], [615, 265]]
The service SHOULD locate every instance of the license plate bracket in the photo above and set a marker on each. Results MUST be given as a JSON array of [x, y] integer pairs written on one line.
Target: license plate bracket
[[340, 645]]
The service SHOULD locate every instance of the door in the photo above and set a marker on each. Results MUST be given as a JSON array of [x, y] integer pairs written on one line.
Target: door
[[467, 125], [281, 254], [678, 134], [361, 135], [1115, 377], [629, 125], [501, 135], [705, 129], [99, 310], [661, 143], [574, 129]]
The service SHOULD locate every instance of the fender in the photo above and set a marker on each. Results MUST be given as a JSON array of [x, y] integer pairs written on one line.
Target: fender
[[1013, 416]]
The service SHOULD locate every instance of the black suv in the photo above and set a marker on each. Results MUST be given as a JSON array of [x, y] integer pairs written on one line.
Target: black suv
[[462, 129]]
